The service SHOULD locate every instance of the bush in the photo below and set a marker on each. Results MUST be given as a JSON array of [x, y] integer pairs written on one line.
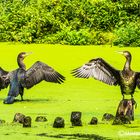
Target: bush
[[128, 35], [75, 22]]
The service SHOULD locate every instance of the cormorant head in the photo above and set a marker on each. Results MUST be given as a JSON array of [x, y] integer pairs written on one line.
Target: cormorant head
[[22, 55], [127, 54], [20, 59]]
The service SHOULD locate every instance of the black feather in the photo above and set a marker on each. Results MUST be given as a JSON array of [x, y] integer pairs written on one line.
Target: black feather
[[41, 71], [98, 69], [4, 79]]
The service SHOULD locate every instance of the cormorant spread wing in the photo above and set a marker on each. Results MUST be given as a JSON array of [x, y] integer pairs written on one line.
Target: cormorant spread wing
[[4, 79], [138, 80], [100, 70], [41, 71]]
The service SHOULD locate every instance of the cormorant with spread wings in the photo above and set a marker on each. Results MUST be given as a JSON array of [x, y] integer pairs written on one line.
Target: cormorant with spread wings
[[21, 78], [99, 69]]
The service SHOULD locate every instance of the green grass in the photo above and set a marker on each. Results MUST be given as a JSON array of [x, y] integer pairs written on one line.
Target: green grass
[[91, 97]]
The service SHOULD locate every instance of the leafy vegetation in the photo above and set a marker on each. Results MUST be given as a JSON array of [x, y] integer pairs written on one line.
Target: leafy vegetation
[[128, 35], [75, 22]]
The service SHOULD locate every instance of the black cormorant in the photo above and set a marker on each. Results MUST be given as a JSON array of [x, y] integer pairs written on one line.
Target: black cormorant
[[99, 69], [22, 78]]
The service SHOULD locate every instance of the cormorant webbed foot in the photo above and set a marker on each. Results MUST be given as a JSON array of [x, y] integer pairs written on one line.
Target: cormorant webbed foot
[[9, 100]]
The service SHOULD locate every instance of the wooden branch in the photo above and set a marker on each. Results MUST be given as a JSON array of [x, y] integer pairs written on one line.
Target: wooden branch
[[125, 112]]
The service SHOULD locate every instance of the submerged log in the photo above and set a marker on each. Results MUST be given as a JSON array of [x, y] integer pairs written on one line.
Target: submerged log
[[93, 121], [19, 117], [27, 121], [40, 119], [125, 112], [59, 122], [76, 119], [108, 117]]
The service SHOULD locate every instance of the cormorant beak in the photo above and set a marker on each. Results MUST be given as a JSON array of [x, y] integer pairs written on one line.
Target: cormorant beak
[[27, 53], [120, 52]]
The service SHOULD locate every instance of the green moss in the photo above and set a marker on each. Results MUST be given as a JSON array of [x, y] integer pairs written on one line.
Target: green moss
[[91, 97]]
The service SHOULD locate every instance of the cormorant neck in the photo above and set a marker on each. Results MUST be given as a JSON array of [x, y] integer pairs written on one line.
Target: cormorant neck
[[127, 65], [21, 64]]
